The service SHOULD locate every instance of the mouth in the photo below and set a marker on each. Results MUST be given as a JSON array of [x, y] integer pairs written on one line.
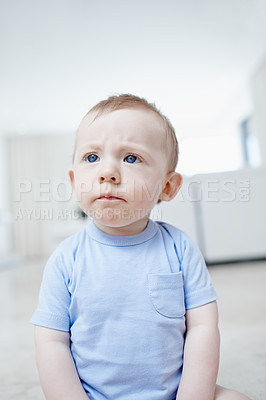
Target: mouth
[[108, 197]]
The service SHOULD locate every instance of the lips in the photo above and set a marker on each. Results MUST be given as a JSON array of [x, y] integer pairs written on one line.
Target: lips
[[108, 197]]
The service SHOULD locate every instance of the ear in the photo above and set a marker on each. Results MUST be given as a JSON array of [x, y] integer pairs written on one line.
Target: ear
[[72, 178], [172, 186]]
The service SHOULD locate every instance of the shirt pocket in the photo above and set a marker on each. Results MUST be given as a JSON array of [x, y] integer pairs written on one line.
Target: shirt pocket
[[167, 294]]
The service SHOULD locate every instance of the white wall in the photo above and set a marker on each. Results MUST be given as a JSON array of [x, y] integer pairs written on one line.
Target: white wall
[[6, 223], [41, 193], [258, 86], [58, 58]]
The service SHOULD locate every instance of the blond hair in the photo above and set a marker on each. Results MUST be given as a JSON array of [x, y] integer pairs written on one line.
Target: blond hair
[[127, 101]]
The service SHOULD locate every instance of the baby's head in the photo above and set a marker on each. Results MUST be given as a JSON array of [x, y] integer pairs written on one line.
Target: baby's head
[[124, 163], [129, 101]]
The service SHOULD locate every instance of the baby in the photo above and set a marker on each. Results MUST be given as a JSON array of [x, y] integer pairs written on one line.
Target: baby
[[126, 309]]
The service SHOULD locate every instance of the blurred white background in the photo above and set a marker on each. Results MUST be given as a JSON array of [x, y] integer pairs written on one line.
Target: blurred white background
[[204, 65], [203, 62]]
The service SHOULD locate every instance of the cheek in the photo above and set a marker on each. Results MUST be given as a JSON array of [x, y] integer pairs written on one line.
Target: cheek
[[154, 187], [146, 192], [85, 177], [83, 187]]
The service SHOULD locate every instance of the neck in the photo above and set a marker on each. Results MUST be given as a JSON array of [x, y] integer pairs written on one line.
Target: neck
[[129, 230]]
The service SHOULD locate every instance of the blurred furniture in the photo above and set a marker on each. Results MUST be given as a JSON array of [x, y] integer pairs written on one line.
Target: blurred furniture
[[225, 213]]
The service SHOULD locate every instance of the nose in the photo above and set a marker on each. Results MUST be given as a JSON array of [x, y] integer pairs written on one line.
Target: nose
[[110, 175]]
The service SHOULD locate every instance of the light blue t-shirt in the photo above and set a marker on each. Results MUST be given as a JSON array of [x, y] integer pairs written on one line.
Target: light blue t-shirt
[[123, 300]]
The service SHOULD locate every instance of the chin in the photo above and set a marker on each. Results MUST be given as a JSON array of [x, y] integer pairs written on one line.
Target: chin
[[109, 217], [119, 218]]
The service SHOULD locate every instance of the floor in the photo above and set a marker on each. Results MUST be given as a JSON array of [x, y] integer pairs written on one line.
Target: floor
[[242, 305]]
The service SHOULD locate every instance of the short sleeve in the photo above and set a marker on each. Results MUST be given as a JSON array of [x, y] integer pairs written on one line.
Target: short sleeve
[[198, 289], [54, 298]]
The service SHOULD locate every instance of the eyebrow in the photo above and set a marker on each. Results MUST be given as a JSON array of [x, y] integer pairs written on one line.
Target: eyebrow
[[94, 146], [126, 146]]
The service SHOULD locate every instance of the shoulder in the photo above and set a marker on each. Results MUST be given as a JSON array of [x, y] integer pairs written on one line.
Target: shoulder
[[182, 240], [73, 242], [64, 255]]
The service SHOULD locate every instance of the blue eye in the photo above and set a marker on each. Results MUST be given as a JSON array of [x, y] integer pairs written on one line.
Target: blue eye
[[131, 159], [91, 158]]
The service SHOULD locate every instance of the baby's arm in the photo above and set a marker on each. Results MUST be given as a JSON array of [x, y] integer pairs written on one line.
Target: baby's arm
[[201, 354], [58, 374]]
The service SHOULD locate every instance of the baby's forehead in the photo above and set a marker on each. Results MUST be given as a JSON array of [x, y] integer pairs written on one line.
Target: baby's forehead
[[126, 117], [137, 112]]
